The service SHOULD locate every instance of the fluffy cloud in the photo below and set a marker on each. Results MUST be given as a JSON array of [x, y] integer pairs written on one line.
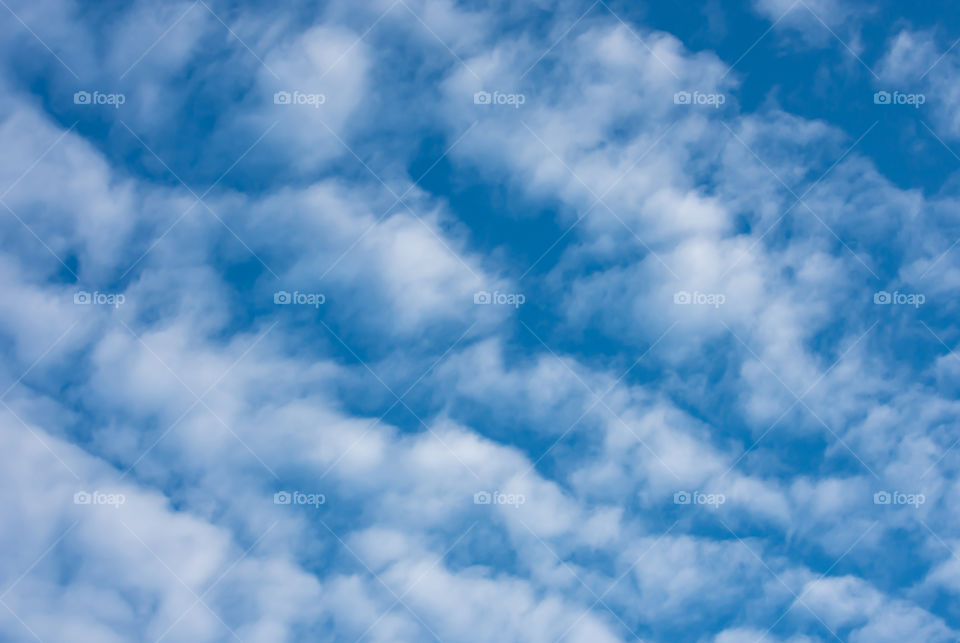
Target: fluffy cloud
[[685, 430]]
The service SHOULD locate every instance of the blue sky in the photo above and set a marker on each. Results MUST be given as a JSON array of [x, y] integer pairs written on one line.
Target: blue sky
[[576, 321]]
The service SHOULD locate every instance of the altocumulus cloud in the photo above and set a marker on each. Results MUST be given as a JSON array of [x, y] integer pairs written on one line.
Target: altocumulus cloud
[[428, 320]]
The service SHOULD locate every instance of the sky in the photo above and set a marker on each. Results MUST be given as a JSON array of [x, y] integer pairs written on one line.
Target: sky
[[417, 320]]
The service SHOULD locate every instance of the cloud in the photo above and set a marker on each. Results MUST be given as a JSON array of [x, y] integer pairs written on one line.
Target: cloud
[[316, 424]]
